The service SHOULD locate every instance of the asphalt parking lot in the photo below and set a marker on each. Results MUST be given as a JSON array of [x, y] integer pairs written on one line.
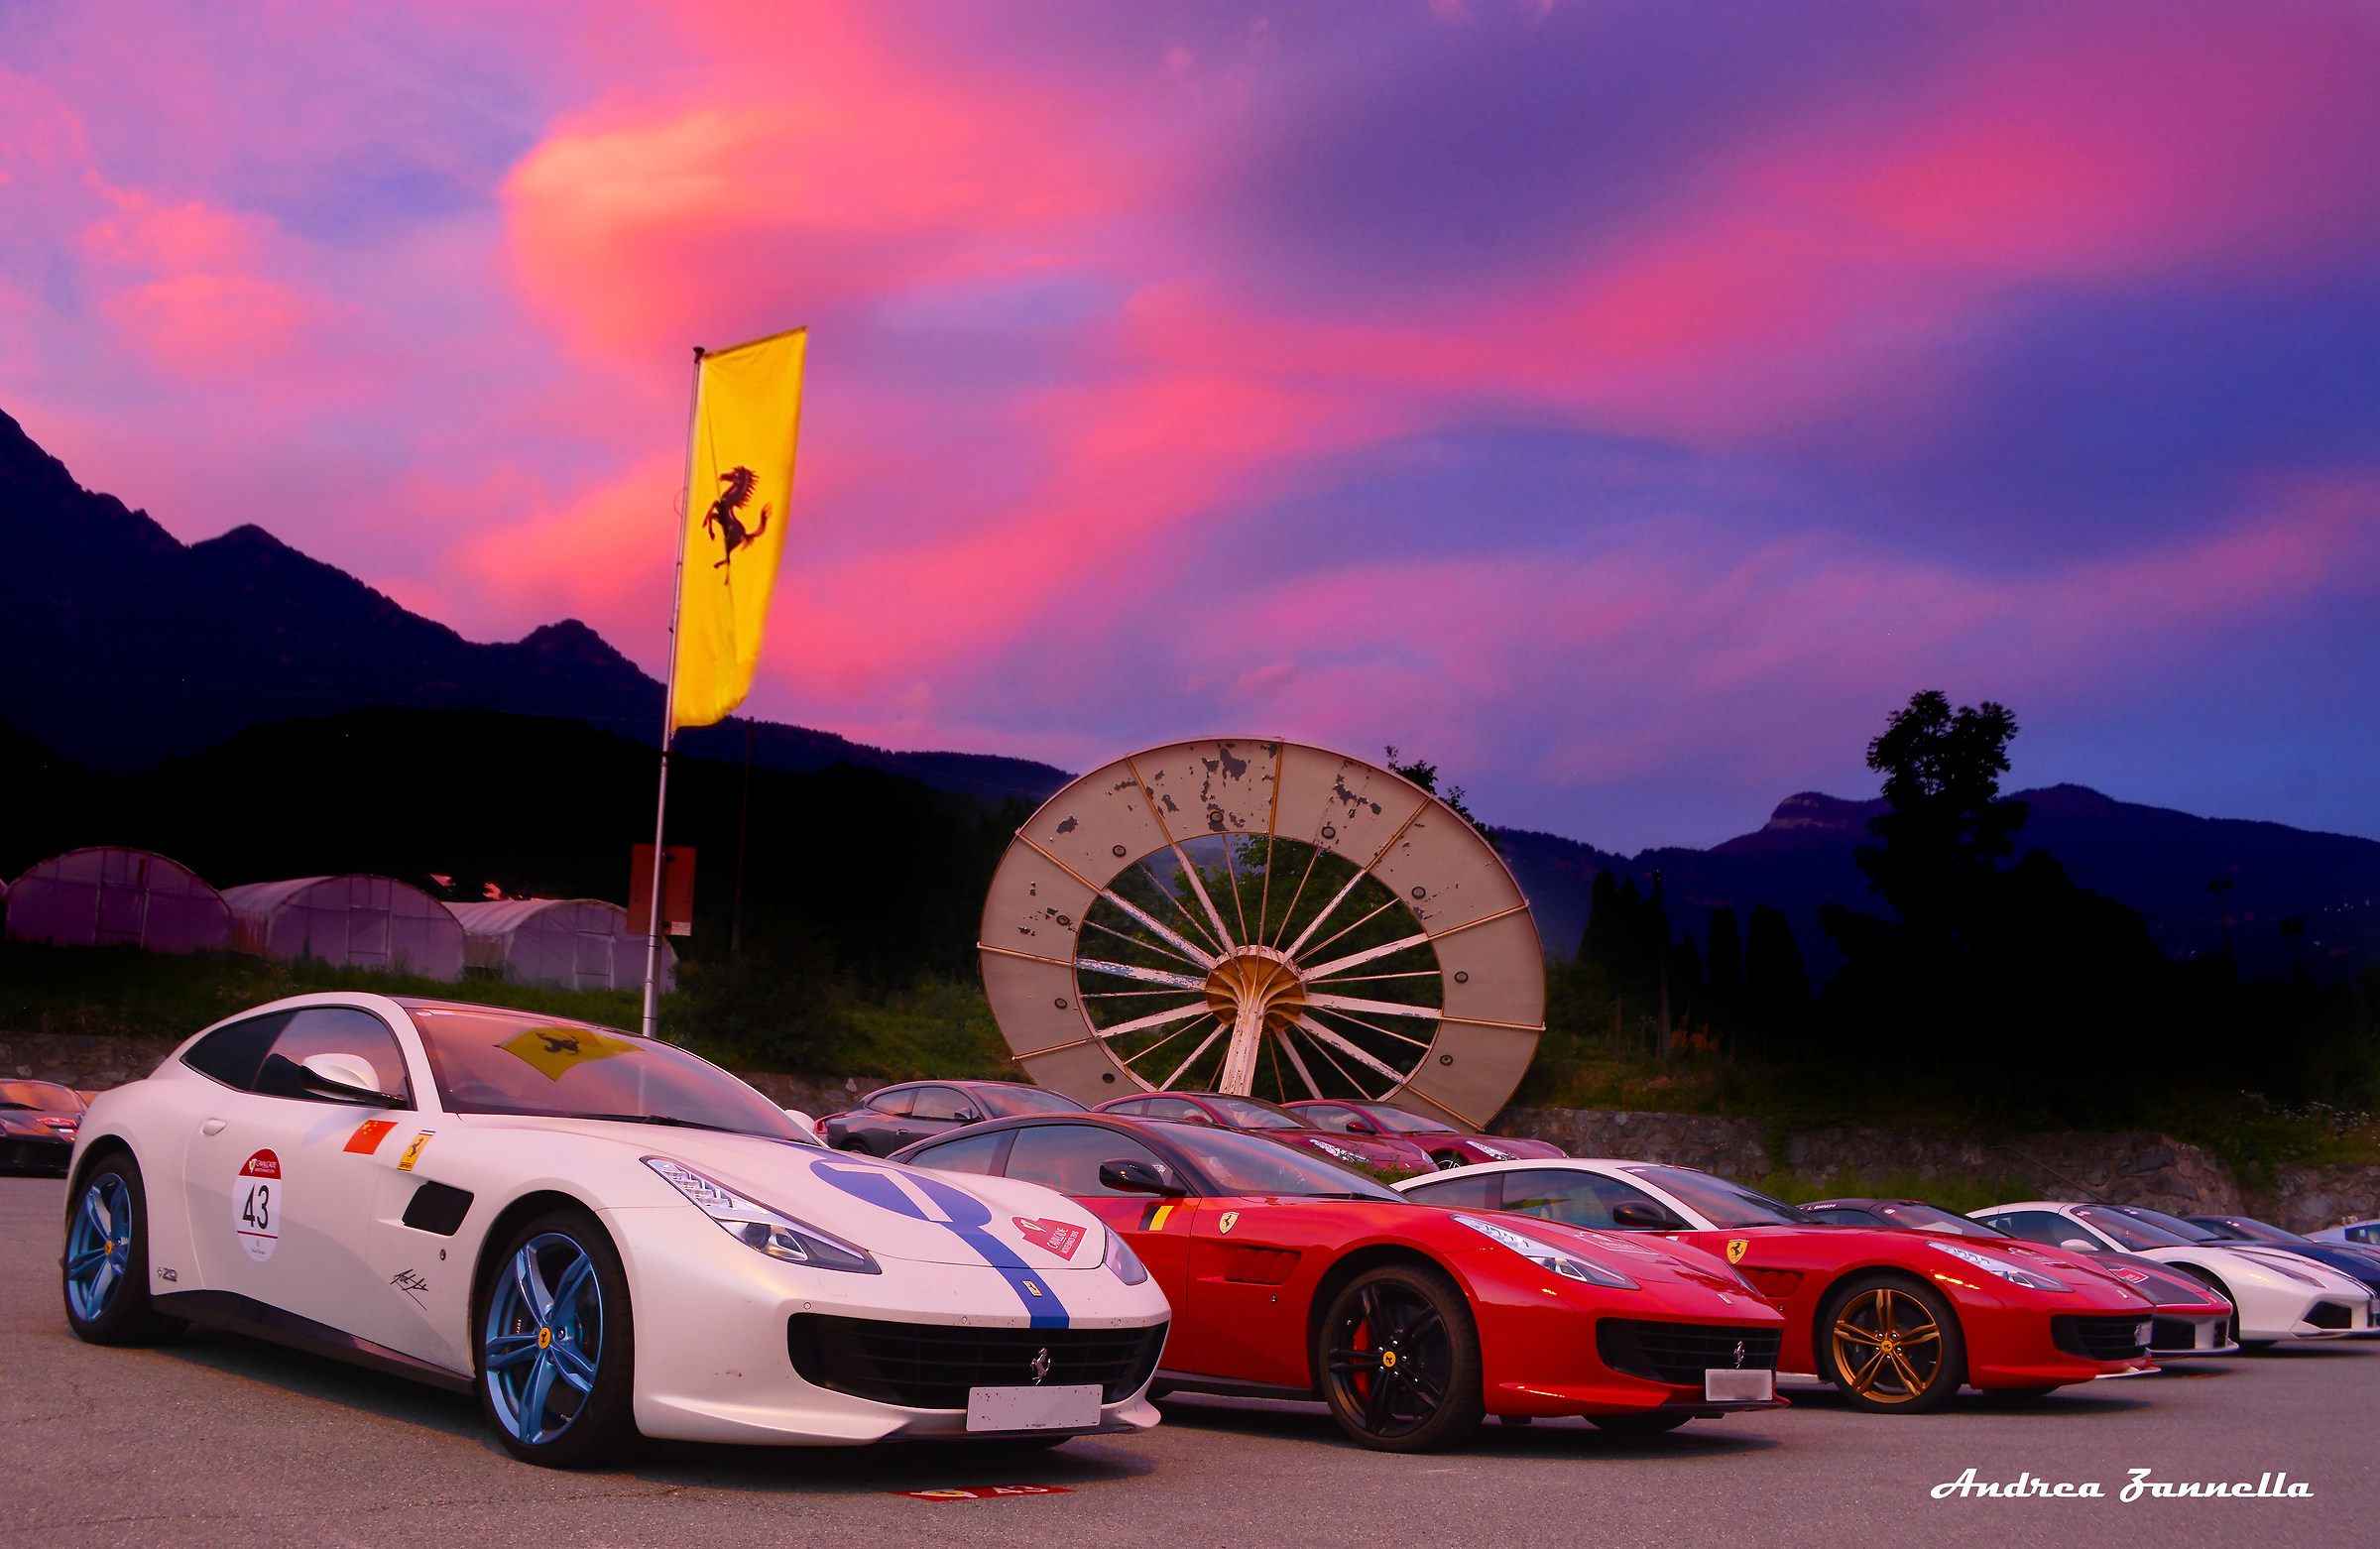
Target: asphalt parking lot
[[221, 1441]]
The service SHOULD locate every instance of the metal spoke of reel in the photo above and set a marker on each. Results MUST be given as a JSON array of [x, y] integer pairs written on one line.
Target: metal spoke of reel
[[1262, 919]]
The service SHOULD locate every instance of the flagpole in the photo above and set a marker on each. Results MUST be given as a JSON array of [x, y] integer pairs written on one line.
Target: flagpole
[[660, 804]]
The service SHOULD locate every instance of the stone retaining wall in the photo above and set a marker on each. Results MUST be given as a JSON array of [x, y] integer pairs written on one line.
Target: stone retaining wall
[[2131, 1168]]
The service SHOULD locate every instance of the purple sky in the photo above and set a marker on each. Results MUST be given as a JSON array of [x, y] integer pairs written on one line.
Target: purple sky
[[1622, 404]]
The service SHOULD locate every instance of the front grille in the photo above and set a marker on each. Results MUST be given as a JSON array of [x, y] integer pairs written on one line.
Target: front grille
[[1680, 1352], [2332, 1315], [2175, 1333], [2098, 1339], [932, 1365]]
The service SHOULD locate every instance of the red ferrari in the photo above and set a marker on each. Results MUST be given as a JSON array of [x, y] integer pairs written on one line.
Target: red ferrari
[[1291, 1277], [1897, 1321], [1448, 1146]]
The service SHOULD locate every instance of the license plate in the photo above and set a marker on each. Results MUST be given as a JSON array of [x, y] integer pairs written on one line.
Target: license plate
[[1725, 1384], [1032, 1409]]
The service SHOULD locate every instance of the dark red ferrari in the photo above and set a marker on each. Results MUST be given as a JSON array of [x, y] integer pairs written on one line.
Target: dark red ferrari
[[1448, 1146], [1291, 1277]]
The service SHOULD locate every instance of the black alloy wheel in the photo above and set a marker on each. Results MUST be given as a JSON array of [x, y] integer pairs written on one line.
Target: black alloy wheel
[[1400, 1359]]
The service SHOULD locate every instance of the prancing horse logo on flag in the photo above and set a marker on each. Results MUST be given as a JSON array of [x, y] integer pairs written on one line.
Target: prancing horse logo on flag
[[722, 515]]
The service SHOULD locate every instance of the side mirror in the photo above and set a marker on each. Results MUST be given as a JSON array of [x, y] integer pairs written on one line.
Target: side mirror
[[1139, 1177], [805, 1121], [967, 1115], [1645, 1218], [2078, 1245], [347, 1077], [1358, 1127]]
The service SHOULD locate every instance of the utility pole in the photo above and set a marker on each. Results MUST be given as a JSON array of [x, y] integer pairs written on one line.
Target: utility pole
[[1662, 962]]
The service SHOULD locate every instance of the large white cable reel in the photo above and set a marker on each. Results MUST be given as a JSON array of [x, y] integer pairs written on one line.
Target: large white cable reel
[[1264, 919]]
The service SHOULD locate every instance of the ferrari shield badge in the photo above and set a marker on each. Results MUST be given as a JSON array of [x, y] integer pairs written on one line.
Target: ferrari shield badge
[[554, 1052], [1230, 1219], [1737, 1248]]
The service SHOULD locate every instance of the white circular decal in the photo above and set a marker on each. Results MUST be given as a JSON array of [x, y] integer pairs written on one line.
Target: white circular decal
[[256, 1205]]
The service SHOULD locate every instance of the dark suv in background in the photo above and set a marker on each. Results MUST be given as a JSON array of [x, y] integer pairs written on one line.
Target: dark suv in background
[[891, 1117]]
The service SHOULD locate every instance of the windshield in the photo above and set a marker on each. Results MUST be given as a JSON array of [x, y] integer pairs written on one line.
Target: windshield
[[1721, 1203], [1016, 1101], [1244, 1164], [490, 1061], [1246, 1112], [2251, 1231], [1931, 1218], [2187, 1231], [1396, 1120], [2132, 1235], [40, 1094]]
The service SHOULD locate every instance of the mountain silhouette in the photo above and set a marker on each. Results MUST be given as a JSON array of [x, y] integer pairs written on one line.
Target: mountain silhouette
[[132, 648]]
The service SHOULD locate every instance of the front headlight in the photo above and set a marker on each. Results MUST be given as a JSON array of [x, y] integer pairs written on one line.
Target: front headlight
[[762, 1229], [1492, 1152], [1124, 1261], [1547, 1256], [2014, 1274]]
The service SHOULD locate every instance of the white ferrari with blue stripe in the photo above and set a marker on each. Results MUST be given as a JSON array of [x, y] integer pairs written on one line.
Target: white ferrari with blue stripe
[[602, 1236]]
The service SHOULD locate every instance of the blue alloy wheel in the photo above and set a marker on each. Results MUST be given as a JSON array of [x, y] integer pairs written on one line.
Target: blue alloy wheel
[[544, 1339], [99, 1248]]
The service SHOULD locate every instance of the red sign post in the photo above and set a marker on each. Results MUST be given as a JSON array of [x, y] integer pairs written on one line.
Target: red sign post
[[677, 890]]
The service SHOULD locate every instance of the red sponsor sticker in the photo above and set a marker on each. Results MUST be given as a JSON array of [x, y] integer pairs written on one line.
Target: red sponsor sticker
[[367, 1136], [1058, 1236], [988, 1493], [264, 1165]]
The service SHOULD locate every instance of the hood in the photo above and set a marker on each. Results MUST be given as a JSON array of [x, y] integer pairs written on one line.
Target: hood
[[2160, 1284], [2280, 1259], [897, 1212], [1376, 1150]]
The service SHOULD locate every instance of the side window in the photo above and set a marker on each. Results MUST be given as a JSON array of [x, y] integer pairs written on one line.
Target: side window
[[232, 1054], [1578, 1199], [1177, 1108], [894, 1100], [1326, 1117], [1845, 1216], [1135, 1107], [985, 1153], [2040, 1226], [2365, 1234], [333, 1029], [940, 1103], [1480, 1191], [1066, 1157]]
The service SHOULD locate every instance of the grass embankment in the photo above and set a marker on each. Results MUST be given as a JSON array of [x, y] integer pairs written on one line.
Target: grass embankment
[[934, 1028]]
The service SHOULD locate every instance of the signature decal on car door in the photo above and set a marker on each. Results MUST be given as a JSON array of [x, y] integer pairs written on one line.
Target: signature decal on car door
[[962, 1215]]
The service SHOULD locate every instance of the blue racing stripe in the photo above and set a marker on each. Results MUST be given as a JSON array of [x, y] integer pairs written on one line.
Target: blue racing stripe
[[968, 1218]]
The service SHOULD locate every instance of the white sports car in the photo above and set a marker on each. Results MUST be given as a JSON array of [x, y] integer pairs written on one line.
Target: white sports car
[[2280, 1295], [600, 1235]]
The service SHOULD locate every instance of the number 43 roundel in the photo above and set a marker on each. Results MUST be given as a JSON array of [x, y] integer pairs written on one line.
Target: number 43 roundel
[[256, 1201]]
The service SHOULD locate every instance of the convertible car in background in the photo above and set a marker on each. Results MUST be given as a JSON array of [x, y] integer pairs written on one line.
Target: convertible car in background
[[2279, 1297], [37, 1120], [1293, 1277], [1447, 1145], [599, 1235], [1897, 1321], [1382, 1153], [891, 1117], [2192, 1318]]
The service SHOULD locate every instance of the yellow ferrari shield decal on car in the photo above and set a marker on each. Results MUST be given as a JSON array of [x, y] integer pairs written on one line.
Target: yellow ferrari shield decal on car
[[1737, 1248], [1230, 1219], [554, 1051]]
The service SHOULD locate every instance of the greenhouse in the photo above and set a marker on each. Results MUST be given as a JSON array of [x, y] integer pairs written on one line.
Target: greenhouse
[[571, 943], [361, 921], [108, 896]]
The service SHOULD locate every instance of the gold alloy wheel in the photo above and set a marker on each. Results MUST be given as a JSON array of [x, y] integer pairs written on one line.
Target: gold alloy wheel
[[1887, 1346]]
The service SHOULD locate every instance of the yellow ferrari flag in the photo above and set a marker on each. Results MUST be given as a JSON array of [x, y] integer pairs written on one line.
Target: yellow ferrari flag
[[746, 410]]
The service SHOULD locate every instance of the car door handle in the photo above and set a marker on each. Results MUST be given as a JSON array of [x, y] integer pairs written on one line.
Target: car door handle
[[213, 1127]]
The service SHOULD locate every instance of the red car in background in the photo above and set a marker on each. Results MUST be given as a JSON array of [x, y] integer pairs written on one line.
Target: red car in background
[[2193, 1319], [1448, 1146], [1380, 1152], [1291, 1277]]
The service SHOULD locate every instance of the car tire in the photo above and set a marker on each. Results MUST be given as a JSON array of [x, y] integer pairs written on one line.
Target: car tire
[[584, 1407], [1447, 1161], [1637, 1427], [1888, 1327], [104, 1271], [1399, 1359]]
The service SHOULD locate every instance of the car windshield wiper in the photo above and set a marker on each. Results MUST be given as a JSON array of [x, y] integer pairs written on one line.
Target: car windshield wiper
[[26, 1107], [1351, 1194], [662, 1118]]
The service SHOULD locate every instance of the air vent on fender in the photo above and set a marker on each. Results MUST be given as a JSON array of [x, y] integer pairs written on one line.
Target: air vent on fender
[[438, 1208], [1775, 1284], [1262, 1266]]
